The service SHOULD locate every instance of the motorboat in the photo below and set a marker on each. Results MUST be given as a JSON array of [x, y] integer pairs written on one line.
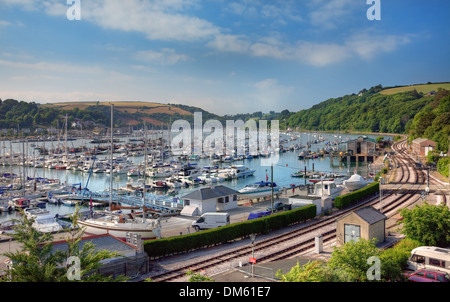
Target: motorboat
[[259, 189], [54, 199], [238, 171], [242, 171], [19, 203], [355, 182], [159, 185], [119, 224], [44, 222], [33, 212]]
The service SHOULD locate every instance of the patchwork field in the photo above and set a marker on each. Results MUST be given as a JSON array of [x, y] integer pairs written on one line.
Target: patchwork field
[[130, 107], [425, 88]]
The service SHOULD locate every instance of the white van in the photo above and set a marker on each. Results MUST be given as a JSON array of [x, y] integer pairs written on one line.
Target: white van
[[211, 220]]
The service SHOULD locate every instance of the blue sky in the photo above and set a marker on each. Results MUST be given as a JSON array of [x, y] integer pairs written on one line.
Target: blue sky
[[225, 56]]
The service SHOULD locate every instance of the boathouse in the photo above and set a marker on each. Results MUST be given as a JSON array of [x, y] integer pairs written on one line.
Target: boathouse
[[366, 223], [212, 199], [421, 146], [362, 149]]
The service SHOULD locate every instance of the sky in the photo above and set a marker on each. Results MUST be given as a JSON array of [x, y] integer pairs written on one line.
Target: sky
[[224, 56]]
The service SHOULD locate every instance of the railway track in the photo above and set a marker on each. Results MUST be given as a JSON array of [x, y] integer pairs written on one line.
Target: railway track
[[301, 238]]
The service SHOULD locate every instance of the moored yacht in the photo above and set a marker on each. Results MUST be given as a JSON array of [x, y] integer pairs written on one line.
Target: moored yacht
[[355, 182], [259, 189]]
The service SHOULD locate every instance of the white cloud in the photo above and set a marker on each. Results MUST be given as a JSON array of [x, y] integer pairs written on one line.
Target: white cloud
[[326, 14], [153, 19], [165, 57], [269, 94], [368, 45], [361, 45]]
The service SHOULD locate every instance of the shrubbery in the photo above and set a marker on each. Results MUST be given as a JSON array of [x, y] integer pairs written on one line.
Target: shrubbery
[[185, 243], [343, 201]]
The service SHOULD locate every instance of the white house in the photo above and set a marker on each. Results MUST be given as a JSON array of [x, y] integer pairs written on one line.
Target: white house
[[212, 199]]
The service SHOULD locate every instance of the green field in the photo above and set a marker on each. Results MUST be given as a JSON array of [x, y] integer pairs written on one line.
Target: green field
[[425, 88]]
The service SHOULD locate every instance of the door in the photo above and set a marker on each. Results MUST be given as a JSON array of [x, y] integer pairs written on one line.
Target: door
[[351, 232]]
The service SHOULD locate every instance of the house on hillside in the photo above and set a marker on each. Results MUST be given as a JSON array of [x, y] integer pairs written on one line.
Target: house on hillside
[[421, 146]]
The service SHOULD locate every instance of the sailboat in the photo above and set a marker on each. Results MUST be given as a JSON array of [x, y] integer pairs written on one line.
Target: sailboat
[[115, 222]]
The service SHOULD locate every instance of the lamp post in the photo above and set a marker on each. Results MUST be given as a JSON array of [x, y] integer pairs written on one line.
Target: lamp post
[[252, 238], [381, 192]]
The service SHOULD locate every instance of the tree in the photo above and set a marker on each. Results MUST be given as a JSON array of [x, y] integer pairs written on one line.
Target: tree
[[314, 271], [38, 262], [35, 262], [428, 224], [352, 258]]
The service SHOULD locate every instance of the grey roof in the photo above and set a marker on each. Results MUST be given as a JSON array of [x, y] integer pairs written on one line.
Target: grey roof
[[208, 193], [105, 242], [370, 215], [366, 139], [422, 140]]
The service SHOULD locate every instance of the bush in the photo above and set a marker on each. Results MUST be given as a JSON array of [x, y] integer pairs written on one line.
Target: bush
[[442, 166], [343, 201], [186, 243]]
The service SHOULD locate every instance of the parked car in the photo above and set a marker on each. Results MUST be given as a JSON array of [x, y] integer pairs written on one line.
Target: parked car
[[277, 206], [426, 275]]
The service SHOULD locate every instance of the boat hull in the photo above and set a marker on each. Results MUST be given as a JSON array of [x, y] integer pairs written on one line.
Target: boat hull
[[256, 194], [117, 231]]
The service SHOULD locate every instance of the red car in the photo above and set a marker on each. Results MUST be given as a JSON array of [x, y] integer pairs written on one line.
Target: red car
[[426, 275]]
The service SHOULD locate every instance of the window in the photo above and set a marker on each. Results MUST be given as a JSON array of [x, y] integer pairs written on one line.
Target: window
[[235, 197], [430, 276], [437, 262], [418, 259], [351, 232], [227, 199], [220, 200], [440, 277]]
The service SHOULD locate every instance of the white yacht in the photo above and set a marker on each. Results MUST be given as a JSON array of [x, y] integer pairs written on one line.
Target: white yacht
[[259, 189], [120, 224], [44, 222], [236, 171], [355, 182]]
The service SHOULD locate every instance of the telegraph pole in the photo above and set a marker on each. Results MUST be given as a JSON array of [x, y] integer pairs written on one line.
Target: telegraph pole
[[271, 177]]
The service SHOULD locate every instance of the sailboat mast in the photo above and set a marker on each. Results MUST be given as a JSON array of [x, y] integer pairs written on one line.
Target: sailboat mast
[[111, 159], [145, 169]]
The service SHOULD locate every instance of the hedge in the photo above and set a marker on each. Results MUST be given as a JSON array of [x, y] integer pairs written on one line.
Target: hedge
[[190, 242], [343, 201]]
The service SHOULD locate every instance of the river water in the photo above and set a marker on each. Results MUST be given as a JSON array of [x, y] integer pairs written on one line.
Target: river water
[[287, 164]]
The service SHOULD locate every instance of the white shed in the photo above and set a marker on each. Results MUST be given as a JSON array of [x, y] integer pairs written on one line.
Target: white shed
[[322, 203], [213, 199]]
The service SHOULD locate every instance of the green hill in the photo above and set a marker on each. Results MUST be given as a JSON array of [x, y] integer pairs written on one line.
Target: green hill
[[420, 88], [381, 110]]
